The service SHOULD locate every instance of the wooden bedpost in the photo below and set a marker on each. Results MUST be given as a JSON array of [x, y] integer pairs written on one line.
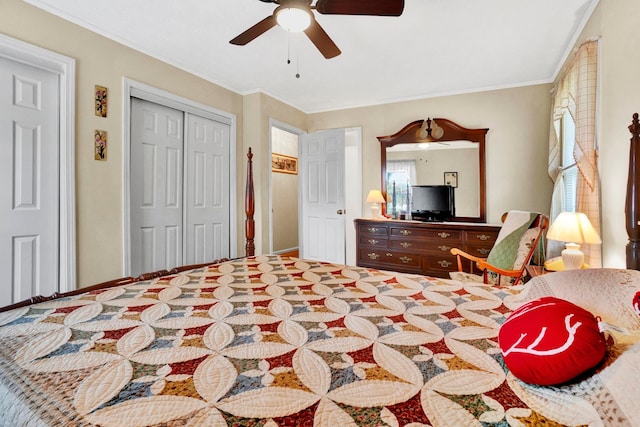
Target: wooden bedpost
[[249, 205], [632, 206]]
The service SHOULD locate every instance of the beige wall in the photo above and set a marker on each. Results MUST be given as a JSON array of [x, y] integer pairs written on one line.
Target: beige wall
[[518, 122], [258, 110]]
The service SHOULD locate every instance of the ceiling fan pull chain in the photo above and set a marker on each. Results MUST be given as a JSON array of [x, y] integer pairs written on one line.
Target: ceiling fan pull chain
[[288, 47], [298, 62]]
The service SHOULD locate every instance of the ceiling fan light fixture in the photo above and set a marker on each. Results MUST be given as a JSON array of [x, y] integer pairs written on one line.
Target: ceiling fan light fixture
[[293, 19]]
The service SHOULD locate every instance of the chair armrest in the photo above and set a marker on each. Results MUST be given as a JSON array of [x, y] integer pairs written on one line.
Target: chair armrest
[[459, 253], [485, 266], [463, 254], [500, 272]]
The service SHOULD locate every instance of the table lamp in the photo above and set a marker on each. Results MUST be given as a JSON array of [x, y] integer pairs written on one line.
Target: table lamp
[[374, 197], [573, 228]]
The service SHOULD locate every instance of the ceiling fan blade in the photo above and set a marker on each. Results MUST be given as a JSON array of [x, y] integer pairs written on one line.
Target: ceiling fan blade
[[257, 30], [360, 7], [321, 39]]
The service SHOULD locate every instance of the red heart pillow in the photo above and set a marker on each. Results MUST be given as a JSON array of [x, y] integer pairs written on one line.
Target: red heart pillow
[[550, 341]]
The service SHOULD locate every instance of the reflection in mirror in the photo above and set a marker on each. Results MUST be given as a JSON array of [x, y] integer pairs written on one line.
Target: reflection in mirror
[[435, 152], [426, 164]]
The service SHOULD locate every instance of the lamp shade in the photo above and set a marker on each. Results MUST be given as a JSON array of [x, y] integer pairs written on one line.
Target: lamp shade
[[375, 196], [573, 227]]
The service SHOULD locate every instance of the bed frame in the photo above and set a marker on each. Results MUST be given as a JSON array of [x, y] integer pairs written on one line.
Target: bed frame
[[249, 251], [632, 206]]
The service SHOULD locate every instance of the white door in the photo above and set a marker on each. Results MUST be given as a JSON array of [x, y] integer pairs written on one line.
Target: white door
[[156, 187], [207, 190], [322, 222], [29, 176]]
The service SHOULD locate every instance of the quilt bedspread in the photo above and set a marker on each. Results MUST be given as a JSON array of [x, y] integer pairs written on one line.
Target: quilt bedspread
[[277, 341]]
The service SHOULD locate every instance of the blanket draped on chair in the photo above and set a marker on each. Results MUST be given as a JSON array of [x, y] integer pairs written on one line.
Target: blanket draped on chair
[[505, 250]]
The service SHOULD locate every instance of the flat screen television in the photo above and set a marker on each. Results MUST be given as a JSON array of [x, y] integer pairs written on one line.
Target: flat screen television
[[432, 202]]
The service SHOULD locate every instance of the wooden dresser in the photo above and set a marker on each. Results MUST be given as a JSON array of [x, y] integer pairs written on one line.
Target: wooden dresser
[[419, 247]]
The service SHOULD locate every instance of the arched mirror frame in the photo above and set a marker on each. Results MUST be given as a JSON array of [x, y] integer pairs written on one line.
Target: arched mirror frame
[[443, 130]]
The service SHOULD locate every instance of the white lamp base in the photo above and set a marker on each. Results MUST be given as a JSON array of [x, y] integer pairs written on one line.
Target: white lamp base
[[375, 210], [572, 256]]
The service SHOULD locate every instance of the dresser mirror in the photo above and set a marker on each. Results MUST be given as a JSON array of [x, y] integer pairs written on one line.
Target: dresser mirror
[[435, 152]]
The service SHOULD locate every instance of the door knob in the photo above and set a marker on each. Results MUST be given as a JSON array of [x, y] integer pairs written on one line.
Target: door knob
[[340, 211]]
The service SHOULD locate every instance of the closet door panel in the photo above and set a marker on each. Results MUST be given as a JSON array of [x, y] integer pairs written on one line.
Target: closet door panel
[[156, 187], [207, 190]]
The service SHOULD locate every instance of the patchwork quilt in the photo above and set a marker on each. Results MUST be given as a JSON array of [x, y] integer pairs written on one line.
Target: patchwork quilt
[[278, 341]]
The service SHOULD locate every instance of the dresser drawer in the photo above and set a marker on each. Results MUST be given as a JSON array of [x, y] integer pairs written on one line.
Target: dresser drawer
[[373, 240], [390, 260], [481, 236], [377, 230], [416, 233], [441, 263], [406, 245], [424, 246], [477, 250]]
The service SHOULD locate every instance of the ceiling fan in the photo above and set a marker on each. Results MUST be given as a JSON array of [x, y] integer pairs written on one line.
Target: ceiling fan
[[288, 11]]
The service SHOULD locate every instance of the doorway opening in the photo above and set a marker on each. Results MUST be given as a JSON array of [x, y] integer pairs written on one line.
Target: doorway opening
[[291, 226], [283, 200]]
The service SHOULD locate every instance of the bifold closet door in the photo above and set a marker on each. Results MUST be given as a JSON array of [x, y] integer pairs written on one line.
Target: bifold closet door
[[156, 187], [180, 188]]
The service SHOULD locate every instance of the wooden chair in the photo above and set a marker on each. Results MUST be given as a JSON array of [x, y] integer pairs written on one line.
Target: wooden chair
[[516, 243]]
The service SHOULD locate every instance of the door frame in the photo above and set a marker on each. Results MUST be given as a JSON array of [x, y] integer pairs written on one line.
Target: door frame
[[273, 123], [353, 188], [64, 67], [132, 88]]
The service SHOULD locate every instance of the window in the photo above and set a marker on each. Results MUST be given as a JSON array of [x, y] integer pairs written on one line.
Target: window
[[401, 175], [569, 167]]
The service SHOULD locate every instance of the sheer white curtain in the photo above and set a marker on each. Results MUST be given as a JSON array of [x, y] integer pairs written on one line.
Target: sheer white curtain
[[576, 93], [408, 166], [402, 173]]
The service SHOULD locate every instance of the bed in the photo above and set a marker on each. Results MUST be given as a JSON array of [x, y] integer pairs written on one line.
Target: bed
[[273, 340]]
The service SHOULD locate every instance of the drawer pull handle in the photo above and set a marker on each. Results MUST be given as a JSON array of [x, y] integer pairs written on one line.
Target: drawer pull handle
[[389, 254], [444, 263], [444, 248], [373, 241], [484, 251], [483, 237], [405, 259], [373, 255], [372, 230], [444, 235], [405, 245], [405, 232]]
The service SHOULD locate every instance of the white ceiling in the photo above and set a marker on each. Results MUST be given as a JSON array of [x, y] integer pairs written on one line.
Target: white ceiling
[[437, 47]]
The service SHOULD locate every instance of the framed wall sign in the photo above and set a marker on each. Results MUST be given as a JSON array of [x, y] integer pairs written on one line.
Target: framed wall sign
[[451, 178]]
